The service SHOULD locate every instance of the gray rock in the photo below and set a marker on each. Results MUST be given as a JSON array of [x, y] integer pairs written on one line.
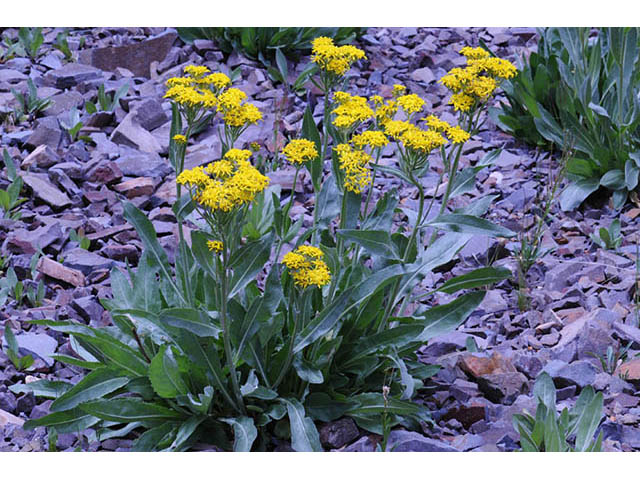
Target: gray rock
[[503, 387], [88, 308], [464, 443], [41, 410], [8, 402], [423, 75], [580, 373], [339, 433], [38, 343], [25, 404], [11, 76], [85, 261], [65, 101], [530, 365], [134, 163], [364, 444], [46, 132], [72, 74], [587, 335], [404, 441], [136, 57], [132, 134], [43, 156], [45, 190], [105, 172], [149, 114], [450, 342]]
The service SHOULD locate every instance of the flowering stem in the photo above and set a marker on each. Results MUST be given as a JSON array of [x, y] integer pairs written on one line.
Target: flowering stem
[[293, 191], [226, 334], [287, 363]]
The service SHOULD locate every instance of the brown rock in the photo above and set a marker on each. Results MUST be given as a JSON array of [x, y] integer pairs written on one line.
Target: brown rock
[[108, 232], [105, 172], [136, 187], [42, 156], [58, 271], [476, 366], [630, 370], [467, 415], [136, 57], [8, 418]]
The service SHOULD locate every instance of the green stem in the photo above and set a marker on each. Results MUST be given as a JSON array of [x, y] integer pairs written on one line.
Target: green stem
[[289, 360], [226, 334]]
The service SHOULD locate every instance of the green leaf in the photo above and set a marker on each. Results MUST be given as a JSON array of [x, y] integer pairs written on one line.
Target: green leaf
[[150, 241], [328, 202], [304, 436], [460, 223], [397, 337], [310, 132], [244, 433], [368, 403], [545, 390], [192, 320], [588, 422], [446, 318], [306, 370], [577, 192], [553, 441], [10, 165], [631, 172], [248, 262], [321, 406], [129, 410], [10, 337], [165, 376], [477, 278], [42, 388], [115, 352], [95, 385], [324, 321], [613, 180], [185, 432], [376, 242], [70, 421]]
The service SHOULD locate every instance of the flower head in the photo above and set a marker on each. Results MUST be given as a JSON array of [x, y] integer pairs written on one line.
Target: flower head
[[306, 266], [334, 59], [181, 139], [411, 103], [299, 151], [353, 163], [370, 138], [351, 110], [215, 245]]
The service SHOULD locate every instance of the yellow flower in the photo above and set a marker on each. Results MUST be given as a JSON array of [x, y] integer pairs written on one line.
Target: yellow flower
[[215, 245], [299, 151], [234, 112], [386, 112], [411, 103], [354, 164], [461, 101], [474, 53], [422, 141], [395, 128], [306, 266], [218, 80], [398, 90], [334, 59], [436, 124], [233, 182], [457, 134], [180, 139], [371, 138], [351, 110], [196, 71]]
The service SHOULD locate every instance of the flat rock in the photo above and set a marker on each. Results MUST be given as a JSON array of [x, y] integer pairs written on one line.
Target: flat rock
[[476, 365], [403, 441], [85, 261], [43, 156], [56, 270], [7, 418], [132, 134], [40, 344], [72, 74], [149, 114], [425, 75], [136, 57], [46, 132], [65, 101], [503, 387], [339, 433], [45, 190], [136, 187], [134, 163]]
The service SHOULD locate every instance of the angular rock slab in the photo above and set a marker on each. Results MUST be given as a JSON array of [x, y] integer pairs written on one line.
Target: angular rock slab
[[45, 190], [136, 57]]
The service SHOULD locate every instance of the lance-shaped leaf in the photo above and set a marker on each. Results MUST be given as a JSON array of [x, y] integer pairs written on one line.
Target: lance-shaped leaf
[[244, 433], [460, 223], [95, 385], [304, 435], [129, 410], [375, 242], [248, 262], [69, 421], [165, 375], [477, 278], [446, 318], [42, 388]]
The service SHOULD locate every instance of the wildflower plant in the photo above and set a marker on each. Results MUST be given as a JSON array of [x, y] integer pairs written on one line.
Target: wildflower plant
[[262, 326]]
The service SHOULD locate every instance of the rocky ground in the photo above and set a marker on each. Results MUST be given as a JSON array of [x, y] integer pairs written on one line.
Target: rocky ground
[[582, 296]]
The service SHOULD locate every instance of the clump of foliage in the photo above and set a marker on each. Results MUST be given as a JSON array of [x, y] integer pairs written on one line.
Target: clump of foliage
[[10, 198], [29, 104], [263, 327], [608, 238], [571, 431], [12, 351], [262, 43], [589, 86]]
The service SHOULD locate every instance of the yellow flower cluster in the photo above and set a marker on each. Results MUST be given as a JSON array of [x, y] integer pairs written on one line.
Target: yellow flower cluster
[[228, 183], [351, 110], [234, 112], [370, 138], [180, 139], [300, 150], [215, 245], [199, 90], [334, 59], [477, 81], [353, 162], [411, 103], [414, 138], [455, 134], [306, 266]]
